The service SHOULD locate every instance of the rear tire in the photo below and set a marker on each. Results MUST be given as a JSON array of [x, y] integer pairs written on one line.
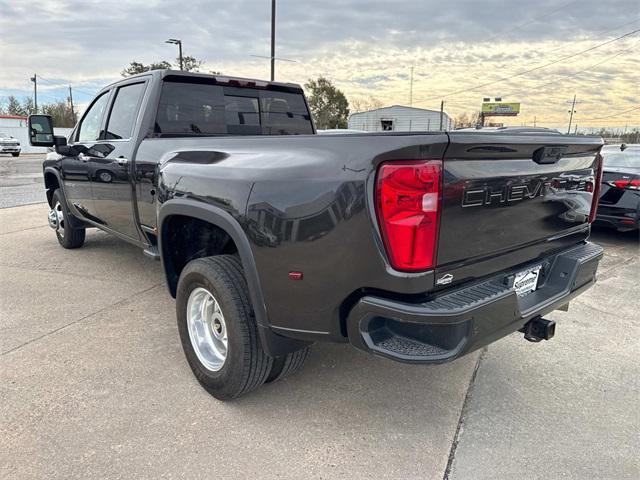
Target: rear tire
[[287, 365], [245, 365], [69, 236]]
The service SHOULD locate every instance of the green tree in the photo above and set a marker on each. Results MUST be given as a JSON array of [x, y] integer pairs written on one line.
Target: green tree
[[190, 64], [60, 113], [136, 67], [14, 106], [329, 106]]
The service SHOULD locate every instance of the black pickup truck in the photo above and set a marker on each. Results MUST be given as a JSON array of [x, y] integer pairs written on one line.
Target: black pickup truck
[[420, 247]]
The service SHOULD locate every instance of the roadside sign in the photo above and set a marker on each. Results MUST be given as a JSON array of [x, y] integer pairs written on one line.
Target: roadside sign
[[500, 109]]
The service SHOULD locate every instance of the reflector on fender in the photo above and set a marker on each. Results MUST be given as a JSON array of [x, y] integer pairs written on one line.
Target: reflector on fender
[[408, 203]]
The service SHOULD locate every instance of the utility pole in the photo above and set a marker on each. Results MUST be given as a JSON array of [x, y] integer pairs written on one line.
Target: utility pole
[[411, 88], [273, 40], [73, 114], [34, 79], [441, 113], [575, 131], [572, 111], [534, 121]]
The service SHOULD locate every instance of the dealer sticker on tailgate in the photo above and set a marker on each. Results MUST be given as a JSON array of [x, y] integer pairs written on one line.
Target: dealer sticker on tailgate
[[526, 281]]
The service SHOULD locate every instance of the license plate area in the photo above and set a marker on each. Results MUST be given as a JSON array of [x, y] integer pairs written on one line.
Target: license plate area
[[526, 281]]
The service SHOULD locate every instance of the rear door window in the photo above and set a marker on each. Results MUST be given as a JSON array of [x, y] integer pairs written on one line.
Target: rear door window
[[124, 111], [207, 109]]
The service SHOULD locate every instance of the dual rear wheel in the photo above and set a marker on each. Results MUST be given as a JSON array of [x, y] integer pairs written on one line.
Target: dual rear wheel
[[219, 333], [217, 325]]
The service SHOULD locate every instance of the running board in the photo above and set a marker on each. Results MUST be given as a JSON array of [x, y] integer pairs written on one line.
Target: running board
[[152, 252]]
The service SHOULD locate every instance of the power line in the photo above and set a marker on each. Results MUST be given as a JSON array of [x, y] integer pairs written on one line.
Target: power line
[[610, 116], [536, 87], [65, 86], [566, 57], [529, 22], [599, 33]]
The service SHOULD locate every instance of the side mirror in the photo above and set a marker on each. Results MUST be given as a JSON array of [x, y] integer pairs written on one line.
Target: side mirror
[[41, 131]]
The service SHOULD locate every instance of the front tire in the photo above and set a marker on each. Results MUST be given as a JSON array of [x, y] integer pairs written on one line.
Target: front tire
[[15, 154], [217, 327], [69, 236]]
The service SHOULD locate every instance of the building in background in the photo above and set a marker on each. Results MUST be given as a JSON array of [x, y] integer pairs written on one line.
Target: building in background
[[398, 118], [16, 126], [15, 121]]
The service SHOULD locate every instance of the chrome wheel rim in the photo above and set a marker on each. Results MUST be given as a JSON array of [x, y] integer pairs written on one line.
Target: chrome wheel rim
[[56, 219], [207, 329]]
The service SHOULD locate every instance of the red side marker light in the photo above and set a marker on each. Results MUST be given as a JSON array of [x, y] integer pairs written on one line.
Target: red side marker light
[[295, 275]]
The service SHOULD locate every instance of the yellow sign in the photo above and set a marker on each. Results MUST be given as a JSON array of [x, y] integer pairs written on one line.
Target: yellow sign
[[500, 108]]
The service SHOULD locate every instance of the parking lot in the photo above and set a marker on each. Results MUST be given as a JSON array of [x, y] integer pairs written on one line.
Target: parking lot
[[94, 384]]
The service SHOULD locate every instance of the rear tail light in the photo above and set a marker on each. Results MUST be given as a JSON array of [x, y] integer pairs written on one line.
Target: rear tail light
[[625, 184], [408, 201], [596, 189]]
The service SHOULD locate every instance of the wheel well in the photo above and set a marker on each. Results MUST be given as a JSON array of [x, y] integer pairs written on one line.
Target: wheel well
[[51, 184], [187, 238]]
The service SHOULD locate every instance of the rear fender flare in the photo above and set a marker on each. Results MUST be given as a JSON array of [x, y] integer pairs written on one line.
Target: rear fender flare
[[274, 344]]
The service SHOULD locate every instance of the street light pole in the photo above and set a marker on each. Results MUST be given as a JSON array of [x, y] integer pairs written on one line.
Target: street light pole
[[176, 41], [34, 79], [273, 40]]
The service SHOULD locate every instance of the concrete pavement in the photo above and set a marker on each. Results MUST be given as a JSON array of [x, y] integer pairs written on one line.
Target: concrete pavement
[[93, 384], [21, 180], [567, 408]]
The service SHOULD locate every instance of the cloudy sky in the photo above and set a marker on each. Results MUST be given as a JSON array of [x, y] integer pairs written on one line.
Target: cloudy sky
[[536, 52]]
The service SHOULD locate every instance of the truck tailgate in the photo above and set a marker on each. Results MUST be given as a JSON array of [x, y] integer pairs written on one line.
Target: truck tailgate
[[508, 198]]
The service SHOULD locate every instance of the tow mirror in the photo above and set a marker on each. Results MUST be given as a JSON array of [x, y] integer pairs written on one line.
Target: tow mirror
[[41, 131]]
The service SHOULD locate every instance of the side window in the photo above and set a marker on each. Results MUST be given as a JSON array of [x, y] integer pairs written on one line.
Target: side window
[[284, 114], [90, 127], [191, 109], [124, 110]]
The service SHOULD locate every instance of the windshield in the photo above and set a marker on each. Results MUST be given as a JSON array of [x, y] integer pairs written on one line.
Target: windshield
[[630, 158]]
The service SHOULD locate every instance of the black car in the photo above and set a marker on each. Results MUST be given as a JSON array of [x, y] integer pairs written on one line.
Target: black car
[[620, 195]]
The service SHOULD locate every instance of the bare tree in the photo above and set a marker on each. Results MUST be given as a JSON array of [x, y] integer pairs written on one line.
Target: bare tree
[[364, 103], [467, 120]]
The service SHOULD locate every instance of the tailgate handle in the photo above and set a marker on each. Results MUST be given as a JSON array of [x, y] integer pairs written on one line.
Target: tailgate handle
[[545, 155]]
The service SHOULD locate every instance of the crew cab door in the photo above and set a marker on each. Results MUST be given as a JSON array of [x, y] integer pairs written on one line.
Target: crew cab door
[[111, 166], [75, 168]]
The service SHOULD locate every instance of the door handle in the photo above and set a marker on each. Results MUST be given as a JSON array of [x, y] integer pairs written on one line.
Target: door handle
[[122, 161]]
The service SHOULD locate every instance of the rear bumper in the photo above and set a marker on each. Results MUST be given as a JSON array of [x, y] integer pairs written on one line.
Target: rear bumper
[[621, 218], [461, 321]]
